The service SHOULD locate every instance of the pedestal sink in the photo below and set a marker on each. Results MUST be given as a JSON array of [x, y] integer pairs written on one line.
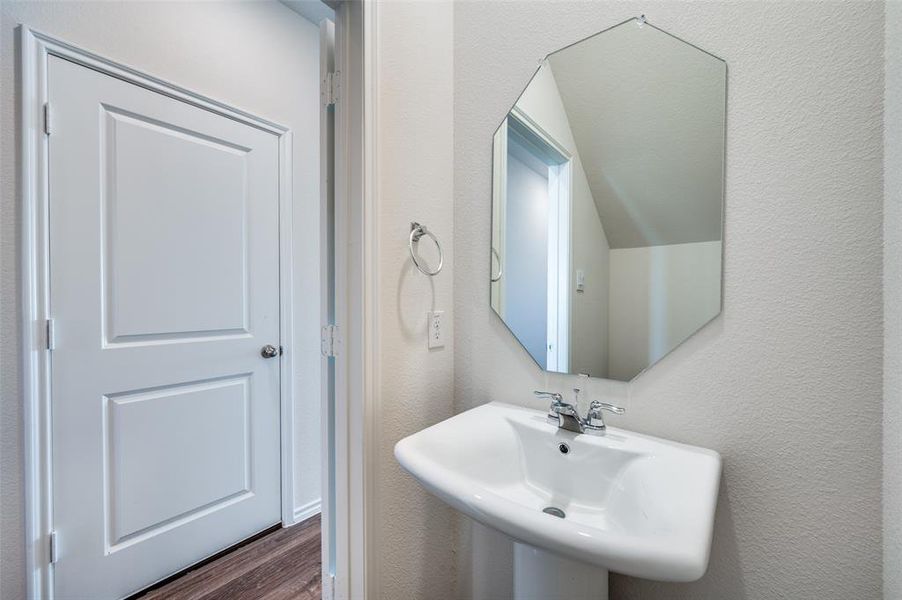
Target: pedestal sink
[[576, 505]]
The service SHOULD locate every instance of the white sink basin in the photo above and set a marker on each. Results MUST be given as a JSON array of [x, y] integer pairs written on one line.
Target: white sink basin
[[634, 504]]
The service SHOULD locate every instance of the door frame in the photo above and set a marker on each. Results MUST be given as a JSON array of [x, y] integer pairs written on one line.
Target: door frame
[[327, 70], [356, 241], [36, 48], [560, 194]]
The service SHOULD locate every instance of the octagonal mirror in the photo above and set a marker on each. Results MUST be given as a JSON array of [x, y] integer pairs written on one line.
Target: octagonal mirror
[[607, 202]]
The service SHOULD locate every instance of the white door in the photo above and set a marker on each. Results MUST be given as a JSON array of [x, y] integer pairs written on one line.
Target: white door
[[164, 262]]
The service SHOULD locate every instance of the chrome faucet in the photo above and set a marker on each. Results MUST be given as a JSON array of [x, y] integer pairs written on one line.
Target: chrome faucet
[[595, 417], [566, 416]]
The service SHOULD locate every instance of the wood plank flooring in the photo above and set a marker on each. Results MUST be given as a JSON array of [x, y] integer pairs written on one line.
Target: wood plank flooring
[[281, 565]]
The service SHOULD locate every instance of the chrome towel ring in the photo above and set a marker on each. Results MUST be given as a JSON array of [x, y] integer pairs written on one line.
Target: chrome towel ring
[[497, 278], [416, 232]]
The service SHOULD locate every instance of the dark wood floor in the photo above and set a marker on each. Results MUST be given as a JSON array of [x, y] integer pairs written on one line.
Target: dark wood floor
[[281, 565]]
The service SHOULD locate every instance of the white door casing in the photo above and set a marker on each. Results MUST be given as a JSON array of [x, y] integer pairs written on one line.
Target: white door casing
[[329, 85], [164, 286]]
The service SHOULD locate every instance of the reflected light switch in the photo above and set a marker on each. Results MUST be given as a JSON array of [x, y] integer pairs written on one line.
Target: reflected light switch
[[580, 280]]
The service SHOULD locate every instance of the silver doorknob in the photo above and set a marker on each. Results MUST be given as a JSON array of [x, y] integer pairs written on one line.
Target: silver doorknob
[[269, 351]]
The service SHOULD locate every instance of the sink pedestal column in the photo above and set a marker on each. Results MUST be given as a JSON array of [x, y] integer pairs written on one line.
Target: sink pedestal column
[[541, 575]]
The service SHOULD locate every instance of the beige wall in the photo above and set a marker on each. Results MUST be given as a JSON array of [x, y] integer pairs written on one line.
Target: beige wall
[[786, 383], [892, 306], [257, 56], [414, 542]]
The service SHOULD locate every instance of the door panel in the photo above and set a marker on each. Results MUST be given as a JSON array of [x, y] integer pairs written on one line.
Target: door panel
[[150, 486], [164, 287], [176, 263]]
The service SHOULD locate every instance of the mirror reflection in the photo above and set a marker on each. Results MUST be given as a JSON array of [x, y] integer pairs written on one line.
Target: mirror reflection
[[607, 202]]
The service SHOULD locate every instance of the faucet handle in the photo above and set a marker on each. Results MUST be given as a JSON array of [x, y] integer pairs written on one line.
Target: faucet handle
[[595, 418], [600, 406], [557, 404], [555, 397]]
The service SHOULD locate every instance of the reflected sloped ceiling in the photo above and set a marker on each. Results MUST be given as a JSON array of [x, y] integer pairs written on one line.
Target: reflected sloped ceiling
[[647, 113]]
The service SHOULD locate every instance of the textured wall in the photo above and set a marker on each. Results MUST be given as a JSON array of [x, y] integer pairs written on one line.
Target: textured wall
[[892, 306], [214, 48], [786, 384], [414, 531]]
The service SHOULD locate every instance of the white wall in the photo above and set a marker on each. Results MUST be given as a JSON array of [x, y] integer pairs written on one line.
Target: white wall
[[414, 533], [542, 102], [307, 361], [892, 306], [257, 56], [660, 295], [786, 383], [589, 308]]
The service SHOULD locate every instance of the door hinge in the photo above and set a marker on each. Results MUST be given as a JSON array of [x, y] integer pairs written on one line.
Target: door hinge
[[47, 118], [330, 340], [330, 587], [330, 88], [50, 334], [53, 547]]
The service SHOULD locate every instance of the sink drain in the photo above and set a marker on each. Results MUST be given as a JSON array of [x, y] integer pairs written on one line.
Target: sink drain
[[554, 511]]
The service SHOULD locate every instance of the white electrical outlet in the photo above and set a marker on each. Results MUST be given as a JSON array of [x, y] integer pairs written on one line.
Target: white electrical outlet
[[436, 329]]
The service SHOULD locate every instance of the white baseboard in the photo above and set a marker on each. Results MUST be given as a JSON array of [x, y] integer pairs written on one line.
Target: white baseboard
[[304, 512]]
